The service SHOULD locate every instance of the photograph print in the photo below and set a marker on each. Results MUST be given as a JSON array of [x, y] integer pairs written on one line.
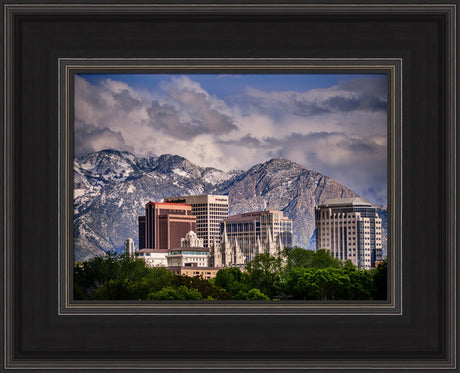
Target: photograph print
[[255, 187]]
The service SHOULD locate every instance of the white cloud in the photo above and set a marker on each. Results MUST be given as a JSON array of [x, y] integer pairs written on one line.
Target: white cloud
[[339, 131]]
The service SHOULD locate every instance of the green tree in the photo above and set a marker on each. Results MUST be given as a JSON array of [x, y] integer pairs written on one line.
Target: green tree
[[253, 294], [132, 280], [302, 274], [323, 259], [348, 264], [232, 280], [380, 281], [180, 293], [298, 257], [265, 274], [314, 284], [91, 275], [207, 289], [118, 277], [361, 285], [329, 284], [153, 279]]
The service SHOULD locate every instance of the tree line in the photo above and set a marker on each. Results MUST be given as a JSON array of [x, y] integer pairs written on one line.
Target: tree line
[[296, 274]]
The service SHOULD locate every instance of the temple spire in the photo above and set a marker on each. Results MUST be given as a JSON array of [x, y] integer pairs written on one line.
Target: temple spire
[[224, 233], [269, 236]]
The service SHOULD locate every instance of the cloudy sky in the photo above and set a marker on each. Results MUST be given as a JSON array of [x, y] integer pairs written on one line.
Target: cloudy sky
[[334, 124]]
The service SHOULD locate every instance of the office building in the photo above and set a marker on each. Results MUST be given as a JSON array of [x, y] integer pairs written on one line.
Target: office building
[[259, 232], [164, 224], [350, 228], [141, 232], [210, 210], [129, 246]]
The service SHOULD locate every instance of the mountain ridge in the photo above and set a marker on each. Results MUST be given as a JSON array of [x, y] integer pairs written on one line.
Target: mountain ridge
[[112, 187]]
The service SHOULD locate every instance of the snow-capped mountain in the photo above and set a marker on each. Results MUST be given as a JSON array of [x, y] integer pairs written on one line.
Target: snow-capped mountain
[[111, 189], [280, 184]]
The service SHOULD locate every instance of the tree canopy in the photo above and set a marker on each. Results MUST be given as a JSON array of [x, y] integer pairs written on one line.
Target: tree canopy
[[294, 274]]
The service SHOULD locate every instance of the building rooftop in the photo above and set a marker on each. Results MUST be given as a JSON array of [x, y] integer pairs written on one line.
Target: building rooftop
[[194, 268], [168, 204], [252, 214], [346, 201], [198, 195], [190, 249], [151, 251]]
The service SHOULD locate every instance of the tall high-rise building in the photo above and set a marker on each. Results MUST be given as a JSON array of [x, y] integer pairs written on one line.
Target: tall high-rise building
[[129, 246], [210, 211], [164, 224], [259, 231], [350, 228], [141, 224]]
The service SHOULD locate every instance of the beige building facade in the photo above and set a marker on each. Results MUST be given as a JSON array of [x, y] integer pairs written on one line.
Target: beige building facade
[[350, 229], [210, 211], [259, 232], [129, 247], [226, 253], [193, 271], [152, 258], [183, 256]]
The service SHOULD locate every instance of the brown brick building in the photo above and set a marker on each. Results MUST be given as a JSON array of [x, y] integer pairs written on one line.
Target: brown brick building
[[164, 224]]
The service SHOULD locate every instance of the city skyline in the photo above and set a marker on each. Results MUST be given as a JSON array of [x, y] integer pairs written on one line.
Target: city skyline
[[334, 124]]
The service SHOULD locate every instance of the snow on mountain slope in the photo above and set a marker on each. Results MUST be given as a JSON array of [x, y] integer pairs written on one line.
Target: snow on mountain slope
[[111, 189]]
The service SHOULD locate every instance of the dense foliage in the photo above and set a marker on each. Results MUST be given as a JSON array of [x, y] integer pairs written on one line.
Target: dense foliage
[[121, 277], [295, 274]]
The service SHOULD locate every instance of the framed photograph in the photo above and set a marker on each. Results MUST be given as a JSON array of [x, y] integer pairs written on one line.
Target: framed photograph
[[260, 130], [212, 118]]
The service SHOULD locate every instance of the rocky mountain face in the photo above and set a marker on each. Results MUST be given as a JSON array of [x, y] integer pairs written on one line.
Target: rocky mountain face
[[283, 185], [111, 189]]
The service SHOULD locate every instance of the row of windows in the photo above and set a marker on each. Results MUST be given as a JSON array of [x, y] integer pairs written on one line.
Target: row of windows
[[216, 211], [207, 277], [211, 219], [326, 229], [350, 219], [206, 219], [196, 259], [188, 253], [340, 222], [213, 225], [195, 273], [205, 211], [209, 204], [144, 254], [345, 224]]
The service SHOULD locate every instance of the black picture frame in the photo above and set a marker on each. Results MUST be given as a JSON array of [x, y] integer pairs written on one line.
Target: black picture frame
[[70, 67], [418, 334]]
